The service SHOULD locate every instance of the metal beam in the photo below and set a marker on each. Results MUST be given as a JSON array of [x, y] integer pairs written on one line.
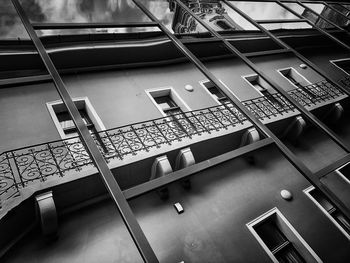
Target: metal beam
[[235, 51], [278, 21], [344, 45], [329, 168], [191, 170], [324, 18], [283, 44], [45, 26], [298, 164], [24, 80], [111, 184], [334, 9]]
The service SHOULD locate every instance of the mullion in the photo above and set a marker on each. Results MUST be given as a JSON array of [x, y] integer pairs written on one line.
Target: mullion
[[344, 45], [235, 51], [322, 17], [263, 128], [334, 9], [111, 184], [286, 46]]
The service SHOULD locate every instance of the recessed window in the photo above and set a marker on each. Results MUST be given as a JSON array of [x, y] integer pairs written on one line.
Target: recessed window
[[262, 87], [68, 126], [294, 77], [336, 216], [280, 240], [277, 242], [215, 92], [64, 122], [167, 101], [168, 106], [343, 64]]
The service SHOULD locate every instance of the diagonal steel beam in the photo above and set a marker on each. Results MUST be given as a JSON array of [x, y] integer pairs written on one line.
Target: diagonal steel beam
[[283, 44], [325, 33], [111, 184], [297, 163], [235, 51], [324, 18], [334, 9]]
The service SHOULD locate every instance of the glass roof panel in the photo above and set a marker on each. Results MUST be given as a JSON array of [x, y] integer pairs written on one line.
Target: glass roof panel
[[10, 24], [83, 11], [263, 10]]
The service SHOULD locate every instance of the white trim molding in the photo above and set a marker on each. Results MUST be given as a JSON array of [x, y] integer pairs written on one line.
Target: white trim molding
[[304, 81], [57, 106], [333, 61], [307, 192], [341, 174], [308, 253], [166, 91], [202, 83]]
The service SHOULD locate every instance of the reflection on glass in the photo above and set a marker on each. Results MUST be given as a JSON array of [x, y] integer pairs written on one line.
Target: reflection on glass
[[316, 19], [289, 26], [83, 31], [261, 11], [330, 14], [10, 23], [83, 11]]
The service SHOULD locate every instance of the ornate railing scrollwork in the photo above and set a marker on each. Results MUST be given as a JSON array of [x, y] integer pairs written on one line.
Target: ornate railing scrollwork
[[21, 167], [315, 93]]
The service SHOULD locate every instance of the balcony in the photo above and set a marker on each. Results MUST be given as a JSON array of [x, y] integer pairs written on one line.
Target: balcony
[[33, 165], [317, 94], [25, 167]]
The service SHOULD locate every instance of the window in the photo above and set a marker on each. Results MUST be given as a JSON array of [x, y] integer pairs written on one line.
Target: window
[[68, 126], [280, 240], [343, 64], [277, 242], [298, 80], [216, 93], [338, 218], [168, 106], [64, 123], [344, 171], [260, 85], [167, 101]]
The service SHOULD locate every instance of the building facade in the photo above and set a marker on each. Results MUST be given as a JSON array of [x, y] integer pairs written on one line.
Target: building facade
[[174, 131]]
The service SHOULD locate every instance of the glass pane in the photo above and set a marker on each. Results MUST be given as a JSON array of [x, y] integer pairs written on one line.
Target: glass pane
[[289, 255], [84, 11], [11, 26], [175, 18], [88, 31], [309, 15], [264, 11], [288, 26], [329, 13], [270, 234]]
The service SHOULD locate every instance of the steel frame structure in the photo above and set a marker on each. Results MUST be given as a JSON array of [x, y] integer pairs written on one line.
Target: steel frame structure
[[120, 197]]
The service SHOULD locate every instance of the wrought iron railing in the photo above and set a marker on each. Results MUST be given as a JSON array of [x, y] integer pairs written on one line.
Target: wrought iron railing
[[20, 167], [315, 93], [345, 82]]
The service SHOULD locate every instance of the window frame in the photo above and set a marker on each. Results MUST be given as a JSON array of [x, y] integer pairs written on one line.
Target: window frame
[[272, 213], [57, 106], [202, 83], [333, 61], [167, 91], [307, 192], [341, 174], [295, 71]]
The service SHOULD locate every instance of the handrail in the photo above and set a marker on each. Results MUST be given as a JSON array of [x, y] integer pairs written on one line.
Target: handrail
[[36, 163]]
